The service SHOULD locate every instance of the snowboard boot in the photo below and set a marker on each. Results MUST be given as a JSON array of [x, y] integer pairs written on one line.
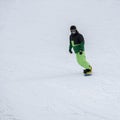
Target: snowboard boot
[[88, 71]]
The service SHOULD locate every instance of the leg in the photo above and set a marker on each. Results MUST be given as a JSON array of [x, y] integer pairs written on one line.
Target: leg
[[81, 59]]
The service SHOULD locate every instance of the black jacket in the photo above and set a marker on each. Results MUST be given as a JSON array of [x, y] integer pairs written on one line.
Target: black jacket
[[77, 42]]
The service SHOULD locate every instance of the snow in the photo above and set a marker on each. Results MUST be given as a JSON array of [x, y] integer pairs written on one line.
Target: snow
[[39, 79]]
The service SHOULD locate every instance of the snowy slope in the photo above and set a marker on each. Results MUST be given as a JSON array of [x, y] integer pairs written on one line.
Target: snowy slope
[[39, 79]]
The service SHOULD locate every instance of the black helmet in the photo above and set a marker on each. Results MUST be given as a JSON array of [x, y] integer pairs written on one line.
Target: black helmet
[[73, 27]]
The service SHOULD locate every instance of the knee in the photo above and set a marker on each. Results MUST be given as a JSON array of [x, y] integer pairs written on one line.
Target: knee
[[81, 61]]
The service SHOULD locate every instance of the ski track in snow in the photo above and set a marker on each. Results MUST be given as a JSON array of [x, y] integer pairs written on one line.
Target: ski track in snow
[[5, 113]]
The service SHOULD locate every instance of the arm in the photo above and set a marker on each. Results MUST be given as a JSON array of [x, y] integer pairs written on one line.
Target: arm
[[81, 40], [70, 46]]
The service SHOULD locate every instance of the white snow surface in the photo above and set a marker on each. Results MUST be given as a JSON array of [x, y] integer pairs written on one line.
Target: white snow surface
[[39, 79]]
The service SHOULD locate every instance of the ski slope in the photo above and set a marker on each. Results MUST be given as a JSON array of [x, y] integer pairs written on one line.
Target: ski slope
[[39, 79]]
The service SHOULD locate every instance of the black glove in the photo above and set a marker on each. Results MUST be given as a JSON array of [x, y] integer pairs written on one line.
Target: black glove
[[81, 52], [70, 51]]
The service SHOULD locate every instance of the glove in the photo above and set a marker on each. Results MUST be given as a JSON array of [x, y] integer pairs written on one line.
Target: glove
[[70, 51], [81, 52]]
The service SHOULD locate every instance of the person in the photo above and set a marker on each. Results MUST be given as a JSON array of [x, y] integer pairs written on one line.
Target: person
[[77, 43]]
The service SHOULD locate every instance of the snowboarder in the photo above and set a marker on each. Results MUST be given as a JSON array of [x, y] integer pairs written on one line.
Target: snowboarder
[[77, 43]]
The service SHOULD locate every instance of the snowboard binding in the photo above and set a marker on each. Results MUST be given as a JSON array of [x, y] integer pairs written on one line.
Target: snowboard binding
[[88, 72]]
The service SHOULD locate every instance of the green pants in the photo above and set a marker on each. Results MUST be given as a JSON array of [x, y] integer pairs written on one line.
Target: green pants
[[81, 59]]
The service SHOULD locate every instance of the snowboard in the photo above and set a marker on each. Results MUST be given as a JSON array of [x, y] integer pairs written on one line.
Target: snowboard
[[88, 74]]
